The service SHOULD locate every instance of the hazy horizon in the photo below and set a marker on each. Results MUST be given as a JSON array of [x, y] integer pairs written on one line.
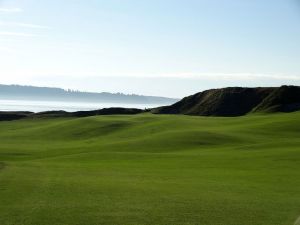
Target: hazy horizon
[[78, 90], [39, 99], [158, 48]]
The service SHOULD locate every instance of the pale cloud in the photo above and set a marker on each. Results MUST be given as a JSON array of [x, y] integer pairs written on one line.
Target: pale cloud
[[7, 50], [25, 25], [230, 76], [16, 34], [10, 10], [221, 76], [226, 77]]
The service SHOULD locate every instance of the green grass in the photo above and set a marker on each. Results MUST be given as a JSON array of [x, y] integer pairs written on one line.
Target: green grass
[[151, 169]]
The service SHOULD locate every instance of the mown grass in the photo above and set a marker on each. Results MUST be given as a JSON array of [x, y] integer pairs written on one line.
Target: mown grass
[[150, 169]]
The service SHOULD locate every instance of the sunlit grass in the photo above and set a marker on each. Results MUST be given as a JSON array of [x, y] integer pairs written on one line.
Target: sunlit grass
[[150, 169]]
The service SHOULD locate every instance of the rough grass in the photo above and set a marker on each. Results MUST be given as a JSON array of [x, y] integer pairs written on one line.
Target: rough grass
[[150, 169]]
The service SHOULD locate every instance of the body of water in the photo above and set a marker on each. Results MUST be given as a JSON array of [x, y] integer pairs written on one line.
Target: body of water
[[40, 106]]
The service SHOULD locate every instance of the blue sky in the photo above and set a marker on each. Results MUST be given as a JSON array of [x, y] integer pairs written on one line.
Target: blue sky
[[154, 47]]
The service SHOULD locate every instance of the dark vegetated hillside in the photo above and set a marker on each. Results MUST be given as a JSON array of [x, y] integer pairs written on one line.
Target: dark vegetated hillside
[[236, 101], [108, 111], [283, 99], [6, 116], [104, 111]]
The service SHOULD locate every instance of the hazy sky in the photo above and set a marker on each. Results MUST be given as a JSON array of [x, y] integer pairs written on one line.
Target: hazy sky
[[154, 47]]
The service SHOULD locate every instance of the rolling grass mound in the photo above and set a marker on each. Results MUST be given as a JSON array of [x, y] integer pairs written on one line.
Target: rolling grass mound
[[151, 169]]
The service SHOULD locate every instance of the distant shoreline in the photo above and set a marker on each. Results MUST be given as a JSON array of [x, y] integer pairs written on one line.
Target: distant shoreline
[[8, 105], [33, 93]]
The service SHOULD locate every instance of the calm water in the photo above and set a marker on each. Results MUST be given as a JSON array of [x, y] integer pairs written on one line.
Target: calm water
[[39, 106]]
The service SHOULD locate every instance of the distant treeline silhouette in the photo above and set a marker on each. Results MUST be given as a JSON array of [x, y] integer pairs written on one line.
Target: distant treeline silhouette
[[59, 94]]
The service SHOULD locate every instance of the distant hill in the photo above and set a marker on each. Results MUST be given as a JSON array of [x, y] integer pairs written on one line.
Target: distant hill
[[7, 116], [236, 101], [58, 94]]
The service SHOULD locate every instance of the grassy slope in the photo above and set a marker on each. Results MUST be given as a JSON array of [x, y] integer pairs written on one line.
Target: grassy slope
[[150, 169]]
